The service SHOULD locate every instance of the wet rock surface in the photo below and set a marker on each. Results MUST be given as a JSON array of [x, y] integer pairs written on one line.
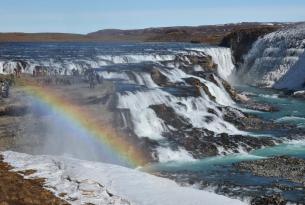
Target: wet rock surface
[[187, 62], [249, 122], [289, 168], [197, 85], [269, 200], [202, 142], [159, 78]]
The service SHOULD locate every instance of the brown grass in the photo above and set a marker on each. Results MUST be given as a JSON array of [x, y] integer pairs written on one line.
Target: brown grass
[[15, 190]]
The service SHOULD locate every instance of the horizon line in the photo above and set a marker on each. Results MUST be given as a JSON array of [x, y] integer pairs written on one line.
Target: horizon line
[[152, 27]]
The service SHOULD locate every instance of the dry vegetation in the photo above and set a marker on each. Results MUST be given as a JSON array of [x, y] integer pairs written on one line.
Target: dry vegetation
[[212, 34], [15, 190]]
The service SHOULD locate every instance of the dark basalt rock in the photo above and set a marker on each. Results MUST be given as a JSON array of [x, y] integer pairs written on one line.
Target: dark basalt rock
[[249, 122], [159, 78], [247, 143], [285, 167], [197, 85], [269, 200], [170, 117], [23, 64], [204, 143], [210, 76], [186, 62], [232, 92], [206, 62]]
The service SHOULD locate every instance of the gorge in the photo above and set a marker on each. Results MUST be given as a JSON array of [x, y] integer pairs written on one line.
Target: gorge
[[196, 111]]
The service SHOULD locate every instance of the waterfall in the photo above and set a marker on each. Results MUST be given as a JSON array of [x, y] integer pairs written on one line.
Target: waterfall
[[181, 81], [222, 57], [277, 59], [196, 110]]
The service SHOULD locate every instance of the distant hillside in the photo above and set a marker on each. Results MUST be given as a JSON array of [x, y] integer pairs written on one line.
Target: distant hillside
[[41, 37], [201, 34]]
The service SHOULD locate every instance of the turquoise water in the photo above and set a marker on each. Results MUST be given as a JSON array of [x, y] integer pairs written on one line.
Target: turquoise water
[[219, 169], [291, 110]]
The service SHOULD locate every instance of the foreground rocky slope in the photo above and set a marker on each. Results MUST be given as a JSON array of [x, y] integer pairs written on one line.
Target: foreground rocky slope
[[84, 182], [15, 189]]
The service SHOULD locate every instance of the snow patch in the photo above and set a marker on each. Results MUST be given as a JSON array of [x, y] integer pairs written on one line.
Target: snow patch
[[91, 182]]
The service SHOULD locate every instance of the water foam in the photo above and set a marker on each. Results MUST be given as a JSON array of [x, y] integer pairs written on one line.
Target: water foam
[[277, 59]]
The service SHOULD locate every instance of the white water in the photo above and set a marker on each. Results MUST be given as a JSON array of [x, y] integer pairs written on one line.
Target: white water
[[66, 65], [123, 59], [194, 109], [222, 97], [222, 57], [277, 60], [145, 121]]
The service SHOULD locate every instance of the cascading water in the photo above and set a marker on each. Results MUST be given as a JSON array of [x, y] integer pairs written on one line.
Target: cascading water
[[171, 101], [277, 60], [186, 82], [195, 109], [222, 57]]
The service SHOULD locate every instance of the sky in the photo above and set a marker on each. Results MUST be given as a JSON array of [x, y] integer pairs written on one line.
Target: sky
[[84, 16]]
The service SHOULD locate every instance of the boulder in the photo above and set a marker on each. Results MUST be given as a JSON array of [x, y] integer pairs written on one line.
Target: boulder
[[269, 200], [159, 78], [170, 117], [197, 85], [187, 62]]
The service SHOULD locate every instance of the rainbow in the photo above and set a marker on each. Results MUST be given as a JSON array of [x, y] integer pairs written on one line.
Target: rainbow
[[79, 116]]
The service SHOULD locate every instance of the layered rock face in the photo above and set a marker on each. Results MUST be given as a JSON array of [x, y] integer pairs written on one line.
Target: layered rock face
[[241, 41]]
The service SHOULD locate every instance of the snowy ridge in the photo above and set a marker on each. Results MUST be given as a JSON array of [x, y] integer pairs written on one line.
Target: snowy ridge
[[85, 182], [277, 59]]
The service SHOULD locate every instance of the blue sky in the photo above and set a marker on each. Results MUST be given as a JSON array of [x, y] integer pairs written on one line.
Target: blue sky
[[83, 16]]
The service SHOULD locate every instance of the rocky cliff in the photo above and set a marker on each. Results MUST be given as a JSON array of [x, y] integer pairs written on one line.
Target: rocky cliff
[[241, 40]]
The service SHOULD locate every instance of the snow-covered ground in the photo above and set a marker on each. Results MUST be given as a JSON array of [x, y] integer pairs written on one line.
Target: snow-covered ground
[[82, 182]]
